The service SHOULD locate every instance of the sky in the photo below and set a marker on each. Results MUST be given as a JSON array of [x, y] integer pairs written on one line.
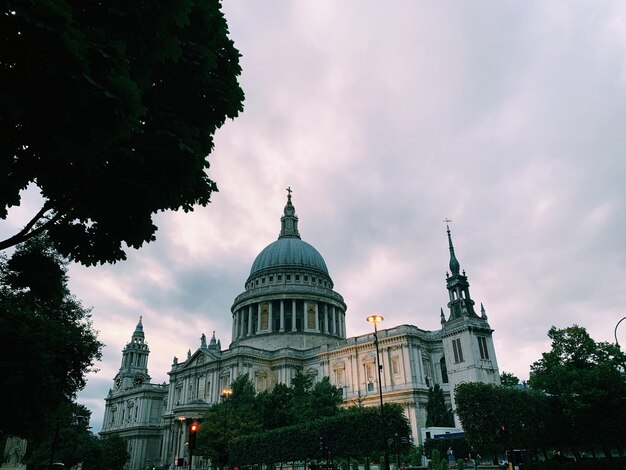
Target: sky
[[385, 118]]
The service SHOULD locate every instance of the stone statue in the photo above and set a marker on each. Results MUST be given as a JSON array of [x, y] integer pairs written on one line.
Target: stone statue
[[14, 451], [203, 341]]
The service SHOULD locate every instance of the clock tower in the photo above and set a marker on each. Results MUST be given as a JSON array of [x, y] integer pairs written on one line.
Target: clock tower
[[134, 368]]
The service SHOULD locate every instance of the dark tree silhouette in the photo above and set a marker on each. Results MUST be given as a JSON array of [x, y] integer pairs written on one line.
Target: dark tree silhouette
[[110, 108], [47, 343], [437, 413]]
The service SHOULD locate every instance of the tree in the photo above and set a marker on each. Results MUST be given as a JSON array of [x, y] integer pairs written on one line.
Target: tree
[[47, 343], [275, 407], [66, 438], [344, 435], [437, 413], [113, 452], [496, 418], [235, 416], [584, 377], [110, 110], [508, 380]]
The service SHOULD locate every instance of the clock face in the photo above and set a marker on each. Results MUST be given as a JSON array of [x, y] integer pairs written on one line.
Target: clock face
[[118, 382], [138, 379]]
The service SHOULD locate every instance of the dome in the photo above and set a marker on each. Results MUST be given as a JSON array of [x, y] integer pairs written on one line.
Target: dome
[[289, 301], [289, 252]]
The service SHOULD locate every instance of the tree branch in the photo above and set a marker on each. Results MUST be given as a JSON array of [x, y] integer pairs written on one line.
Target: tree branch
[[28, 232]]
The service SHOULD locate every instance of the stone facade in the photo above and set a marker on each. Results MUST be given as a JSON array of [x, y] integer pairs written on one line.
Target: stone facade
[[289, 318]]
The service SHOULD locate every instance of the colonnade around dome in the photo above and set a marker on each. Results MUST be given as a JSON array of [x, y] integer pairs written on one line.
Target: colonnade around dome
[[285, 316]]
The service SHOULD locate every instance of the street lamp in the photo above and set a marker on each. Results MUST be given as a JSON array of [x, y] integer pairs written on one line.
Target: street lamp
[[617, 342], [227, 392], [615, 332], [375, 319], [179, 440]]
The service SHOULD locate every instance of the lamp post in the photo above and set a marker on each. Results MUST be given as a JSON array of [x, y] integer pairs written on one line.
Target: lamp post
[[375, 319], [227, 392], [617, 342], [615, 332], [179, 439]]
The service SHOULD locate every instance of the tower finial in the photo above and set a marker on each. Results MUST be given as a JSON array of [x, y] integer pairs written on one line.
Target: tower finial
[[139, 327], [289, 220], [454, 263]]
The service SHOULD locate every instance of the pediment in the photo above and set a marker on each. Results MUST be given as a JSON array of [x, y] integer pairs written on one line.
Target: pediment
[[200, 358]]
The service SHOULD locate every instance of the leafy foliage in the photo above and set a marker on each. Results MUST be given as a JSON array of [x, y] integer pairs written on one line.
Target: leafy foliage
[[47, 343], [584, 377], [246, 428], [497, 418], [508, 380], [345, 435], [574, 400], [67, 439], [437, 413], [110, 110], [236, 415]]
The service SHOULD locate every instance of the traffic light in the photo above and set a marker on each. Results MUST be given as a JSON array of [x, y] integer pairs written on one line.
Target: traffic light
[[193, 432], [502, 432]]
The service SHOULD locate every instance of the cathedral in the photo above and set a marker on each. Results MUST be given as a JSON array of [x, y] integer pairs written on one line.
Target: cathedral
[[289, 318]]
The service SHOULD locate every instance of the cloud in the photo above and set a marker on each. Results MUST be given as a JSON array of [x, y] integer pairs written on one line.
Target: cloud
[[384, 119]]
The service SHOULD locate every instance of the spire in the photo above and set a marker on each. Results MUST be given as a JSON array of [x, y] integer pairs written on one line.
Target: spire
[[483, 314], [289, 220], [454, 263], [443, 317], [461, 303], [138, 335]]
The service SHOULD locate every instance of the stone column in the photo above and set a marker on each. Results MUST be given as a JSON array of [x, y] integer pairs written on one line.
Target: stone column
[[240, 314], [326, 326], [249, 320], [258, 318], [317, 317], [282, 316], [293, 315], [270, 325], [334, 328]]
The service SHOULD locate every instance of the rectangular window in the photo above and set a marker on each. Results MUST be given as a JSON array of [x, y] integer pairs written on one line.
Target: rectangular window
[[458, 352], [339, 377], [280, 277], [482, 346]]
